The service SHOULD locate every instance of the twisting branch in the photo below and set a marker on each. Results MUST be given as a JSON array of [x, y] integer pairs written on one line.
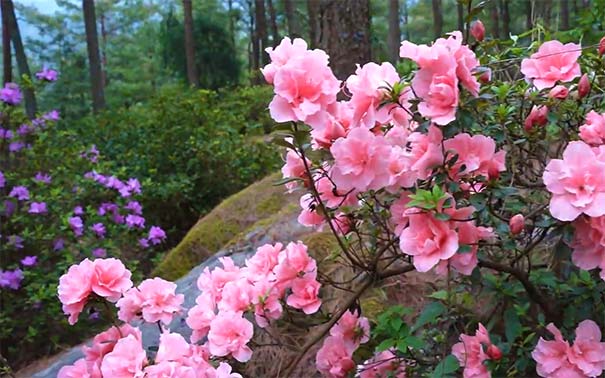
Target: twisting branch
[[534, 293]]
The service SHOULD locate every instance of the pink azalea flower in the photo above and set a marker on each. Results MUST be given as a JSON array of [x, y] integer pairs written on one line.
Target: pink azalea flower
[[229, 333], [309, 216], [159, 301], [104, 342], [126, 360], [130, 305], [352, 328], [303, 83], [576, 182], [360, 161], [553, 62], [552, 357], [336, 125], [593, 131], [78, 370], [334, 359], [429, 240], [588, 352], [478, 155], [74, 288], [110, 279], [400, 213], [471, 354], [305, 295], [588, 243], [368, 89], [331, 196], [265, 299], [169, 369], [382, 365], [426, 151], [295, 262], [294, 168], [559, 91], [200, 316], [264, 260], [236, 296], [224, 371]]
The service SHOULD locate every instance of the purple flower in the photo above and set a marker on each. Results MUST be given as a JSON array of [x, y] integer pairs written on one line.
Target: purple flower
[[2, 180], [107, 207], [58, 244], [20, 193], [98, 229], [135, 221], [135, 207], [11, 94], [114, 183], [5, 134], [9, 208], [42, 177], [117, 218], [156, 235], [24, 130], [16, 241], [99, 253], [144, 243], [47, 74], [37, 208], [78, 210], [11, 278], [53, 115], [76, 225], [29, 261], [16, 146]]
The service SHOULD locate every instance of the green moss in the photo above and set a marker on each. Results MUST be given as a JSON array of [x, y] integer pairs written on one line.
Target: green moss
[[229, 219], [321, 246]]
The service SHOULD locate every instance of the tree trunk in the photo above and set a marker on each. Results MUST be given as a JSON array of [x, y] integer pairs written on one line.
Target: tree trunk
[[495, 21], [460, 9], [192, 74], [6, 44], [394, 38], [261, 30], [293, 26], [103, 50], [28, 93], [406, 29], [345, 34], [231, 21], [564, 6], [529, 11], [313, 8], [94, 61], [437, 18], [253, 51], [504, 11], [273, 21]]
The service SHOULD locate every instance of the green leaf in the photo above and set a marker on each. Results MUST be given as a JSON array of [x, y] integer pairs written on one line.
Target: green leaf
[[429, 314], [446, 367], [414, 342], [441, 294], [386, 344], [512, 325]]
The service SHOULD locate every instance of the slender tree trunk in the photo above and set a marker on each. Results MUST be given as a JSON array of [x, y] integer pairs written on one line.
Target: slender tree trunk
[[394, 38], [261, 30], [103, 49], [313, 8], [564, 7], [231, 21], [504, 11], [406, 29], [460, 9], [6, 43], [94, 60], [529, 12], [255, 48], [437, 18], [192, 74], [28, 93], [345, 34], [495, 21], [273, 21], [293, 25]]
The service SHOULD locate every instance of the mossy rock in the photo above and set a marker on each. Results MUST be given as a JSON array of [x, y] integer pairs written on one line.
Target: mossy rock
[[229, 219]]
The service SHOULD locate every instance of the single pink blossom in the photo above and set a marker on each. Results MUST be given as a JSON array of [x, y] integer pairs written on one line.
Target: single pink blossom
[[383, 364], [593, 130], [126, 360], [229, 333], [110, 279], [74, 288], [552, 62], [305, 295], [334, 359]]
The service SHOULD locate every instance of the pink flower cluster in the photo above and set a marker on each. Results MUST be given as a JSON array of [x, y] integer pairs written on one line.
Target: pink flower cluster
[[272, 274], [335, 357], [106, 278], [119, 353], [442, 67], [154, 300], [382, 365], [473, 351], [585, 358]]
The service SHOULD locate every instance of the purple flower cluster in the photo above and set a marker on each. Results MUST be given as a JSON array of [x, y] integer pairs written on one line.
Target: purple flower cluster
[[77, 225], [47, 74], [43, 178], [11, 278], [37, 208], [126, 189], [11, 94], [20, 193]]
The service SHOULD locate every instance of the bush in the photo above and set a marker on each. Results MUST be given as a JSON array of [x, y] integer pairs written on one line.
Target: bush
[[190, 148]]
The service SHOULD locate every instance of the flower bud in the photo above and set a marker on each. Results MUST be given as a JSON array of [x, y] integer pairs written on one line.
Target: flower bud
[[494, 352], [486, 76], [583, 86], [537, 117], [516, 224], [560, 92], [478, 30], [602, 46]]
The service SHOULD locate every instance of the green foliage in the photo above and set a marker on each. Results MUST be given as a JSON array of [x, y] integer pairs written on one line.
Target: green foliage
[[190, 149]]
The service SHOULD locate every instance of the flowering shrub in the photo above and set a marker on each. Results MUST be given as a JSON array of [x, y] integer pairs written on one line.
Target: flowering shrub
[[482, 167], [55, 208]]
